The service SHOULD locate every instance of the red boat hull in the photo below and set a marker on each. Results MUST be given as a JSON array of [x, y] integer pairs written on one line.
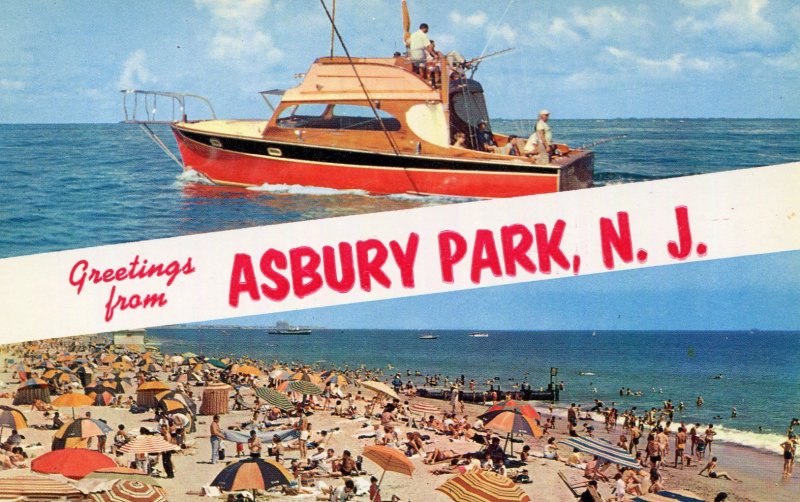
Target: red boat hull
[[381, 174]]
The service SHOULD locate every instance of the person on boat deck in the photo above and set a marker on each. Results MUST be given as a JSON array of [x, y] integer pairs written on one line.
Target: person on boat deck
[[419, 48], [510, 148], [541, 140], [432, 66], [460, 140], [485, 138]]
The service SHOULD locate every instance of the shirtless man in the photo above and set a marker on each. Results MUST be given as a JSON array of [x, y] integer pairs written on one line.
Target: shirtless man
[[710, 433], [680, 447], [711, 467]]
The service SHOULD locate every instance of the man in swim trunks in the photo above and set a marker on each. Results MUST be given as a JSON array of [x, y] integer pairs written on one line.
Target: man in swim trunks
[[711, 467]]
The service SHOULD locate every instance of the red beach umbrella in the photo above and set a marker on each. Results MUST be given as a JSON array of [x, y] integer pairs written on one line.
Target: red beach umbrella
[[73, 463], [524, 408]]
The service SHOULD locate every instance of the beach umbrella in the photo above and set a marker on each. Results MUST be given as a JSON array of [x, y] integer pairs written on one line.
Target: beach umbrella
[[41, 488], [602, 449], [75, 434], [482, 486], [275, 398], [178, 396], [131, 490], [389, 459], [148, 443], [72, 400], [189, 354], [305, 388], [154, 385], [670, 496], [217, 363], [12, 418], [172, 406], [32, 383], [279, 374], [151, 367], [121, 365], [512, 422], [337, 379], [380, 388], [102, 396], [305, 376], [246, 369], [73, 463], [253, 474], [122, 473], [524, 408]]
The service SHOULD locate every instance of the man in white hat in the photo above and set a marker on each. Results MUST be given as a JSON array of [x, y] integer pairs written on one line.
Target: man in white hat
[[541, 140]]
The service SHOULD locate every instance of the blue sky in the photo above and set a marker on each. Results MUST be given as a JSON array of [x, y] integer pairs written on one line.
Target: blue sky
[[65, 61], [760, 292]]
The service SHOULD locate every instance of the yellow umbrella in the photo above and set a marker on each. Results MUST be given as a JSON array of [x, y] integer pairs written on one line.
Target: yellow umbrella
[[380, 388], [246, 369], [72, 400]]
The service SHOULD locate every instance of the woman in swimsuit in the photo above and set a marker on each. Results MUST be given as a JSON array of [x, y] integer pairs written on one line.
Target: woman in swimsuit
[[789, 450]]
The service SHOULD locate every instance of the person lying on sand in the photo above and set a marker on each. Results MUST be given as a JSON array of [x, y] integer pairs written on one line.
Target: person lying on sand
[[711, 467]]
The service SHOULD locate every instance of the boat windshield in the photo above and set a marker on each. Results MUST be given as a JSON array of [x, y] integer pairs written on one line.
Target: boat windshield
[[335, 116]]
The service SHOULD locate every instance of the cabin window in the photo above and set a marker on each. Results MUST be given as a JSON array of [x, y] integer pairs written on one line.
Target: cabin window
[[337, 116]]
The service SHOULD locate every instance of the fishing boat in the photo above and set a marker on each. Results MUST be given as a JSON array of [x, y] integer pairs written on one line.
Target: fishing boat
[[428, 337], [284, 328], [477, 334], [367, 123]]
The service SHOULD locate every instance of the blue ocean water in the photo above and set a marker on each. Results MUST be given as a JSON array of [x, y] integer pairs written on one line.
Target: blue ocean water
[[759, 373], [78, 185]]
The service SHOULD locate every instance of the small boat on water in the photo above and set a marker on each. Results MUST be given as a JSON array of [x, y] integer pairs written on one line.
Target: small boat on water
[[284, 328], [368, 123], [428, 337], [477, 334]]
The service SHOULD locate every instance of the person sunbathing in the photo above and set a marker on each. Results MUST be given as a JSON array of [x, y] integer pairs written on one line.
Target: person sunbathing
[[414, 443], [440, 456], [711, 467], [40, 405], [454, 467]]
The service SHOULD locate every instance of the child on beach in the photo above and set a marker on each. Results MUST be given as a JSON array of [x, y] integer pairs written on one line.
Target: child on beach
[[789, 451]]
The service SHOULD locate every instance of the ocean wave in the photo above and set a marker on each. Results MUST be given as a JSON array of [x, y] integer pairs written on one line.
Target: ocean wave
[[766, 441], [429, 198]]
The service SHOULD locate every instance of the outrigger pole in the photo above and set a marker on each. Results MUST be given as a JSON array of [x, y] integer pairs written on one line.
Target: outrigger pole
[[333, 19]]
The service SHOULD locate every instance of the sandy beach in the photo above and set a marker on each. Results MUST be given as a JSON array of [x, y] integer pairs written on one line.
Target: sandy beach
[[758, 472]]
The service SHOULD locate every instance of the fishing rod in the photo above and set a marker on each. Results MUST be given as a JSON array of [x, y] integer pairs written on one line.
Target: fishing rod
[[474, 62], [602, 141]]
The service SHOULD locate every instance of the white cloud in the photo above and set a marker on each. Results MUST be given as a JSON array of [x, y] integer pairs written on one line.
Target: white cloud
[[134, 72], [738, 23], [237, 38], [560, 31], [674, 64], [473, 20], [604, 22], [11, 85], [503, 32]]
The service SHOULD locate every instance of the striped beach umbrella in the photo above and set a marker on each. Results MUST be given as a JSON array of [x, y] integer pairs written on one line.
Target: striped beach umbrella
[[217, 363], [182, 397], [37, 488], [602, 449], [73, 463], [131, 490], [275, 398], [305, 388], [149, 443], [482, 486], [253, 474], [76, 434], [122, 473], [337, 379], [511, 422], [12, 418], [305, 376], [524, 408]]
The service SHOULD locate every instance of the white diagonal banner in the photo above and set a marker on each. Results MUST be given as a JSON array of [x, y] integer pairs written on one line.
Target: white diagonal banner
[[411, 252]]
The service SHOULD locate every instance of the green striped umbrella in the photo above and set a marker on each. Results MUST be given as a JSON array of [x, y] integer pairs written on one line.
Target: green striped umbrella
[[305, 388], [275, 398]]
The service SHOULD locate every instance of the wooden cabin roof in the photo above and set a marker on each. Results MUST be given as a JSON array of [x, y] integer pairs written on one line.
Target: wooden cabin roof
[[334, 79]]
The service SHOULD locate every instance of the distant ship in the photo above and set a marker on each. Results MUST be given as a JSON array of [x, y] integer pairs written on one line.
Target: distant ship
[[428, 336], [477, 334], [284, 328]]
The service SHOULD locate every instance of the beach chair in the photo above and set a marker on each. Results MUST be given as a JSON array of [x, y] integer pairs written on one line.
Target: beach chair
[[573, 487]]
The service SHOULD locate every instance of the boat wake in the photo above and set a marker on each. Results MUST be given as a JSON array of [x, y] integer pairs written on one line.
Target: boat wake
[[305, 190], [192, 176]]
